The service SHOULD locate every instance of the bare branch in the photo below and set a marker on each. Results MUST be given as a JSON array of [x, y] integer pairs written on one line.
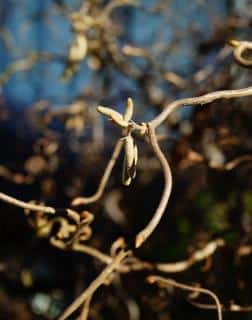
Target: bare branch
[[201, 100], [100, 280], [147, 231], [163, 282], [96, 196], [85, 309], [240, 48], [197, 256], [26, 205]]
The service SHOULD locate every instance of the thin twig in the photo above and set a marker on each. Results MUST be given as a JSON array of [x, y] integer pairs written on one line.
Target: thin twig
[[100, 280], [170, 282], [233, 163], [197, 256], [113, 5], [80, 247], [134, 264], [26, 205], [85, 309], [240, 47], [99, 192], [201, 100], [25, 64], [147, 231], [233, 307]]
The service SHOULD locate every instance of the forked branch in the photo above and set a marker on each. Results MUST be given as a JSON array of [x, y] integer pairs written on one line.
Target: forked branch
[[100, 280]]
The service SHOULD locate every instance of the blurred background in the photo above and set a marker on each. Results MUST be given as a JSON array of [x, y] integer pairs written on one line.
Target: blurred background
[[58, 61]]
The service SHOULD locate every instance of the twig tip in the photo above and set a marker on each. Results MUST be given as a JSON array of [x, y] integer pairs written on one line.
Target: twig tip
[[139, 241]]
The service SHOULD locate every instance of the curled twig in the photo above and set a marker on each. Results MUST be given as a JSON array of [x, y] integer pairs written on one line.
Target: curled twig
[[197, 256], [163, 282], [232, 307], [147, 231], [240, 48], [201, 100], [96, 196]]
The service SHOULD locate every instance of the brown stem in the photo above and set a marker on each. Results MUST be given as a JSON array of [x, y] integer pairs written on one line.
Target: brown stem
[[207, 98], [240, 47], [25, 205], [151, 226], [85, 309], [170, 282], [100, 280], [197, 256], [99, 192]]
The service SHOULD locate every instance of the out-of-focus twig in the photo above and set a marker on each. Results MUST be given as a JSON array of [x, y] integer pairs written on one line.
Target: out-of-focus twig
[[163, 282], [233, 307], [230, 165], [25, 64], [100, 280], [197, 256], [240, 49]]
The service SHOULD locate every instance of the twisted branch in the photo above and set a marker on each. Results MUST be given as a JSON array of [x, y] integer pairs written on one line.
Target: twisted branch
[[151, 226], [163, 282], [201, 100]]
